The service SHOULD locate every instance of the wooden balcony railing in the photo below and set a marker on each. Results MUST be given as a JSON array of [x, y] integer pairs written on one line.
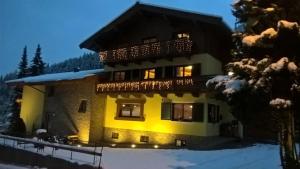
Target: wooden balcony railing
[[191, 84], [148, 51]]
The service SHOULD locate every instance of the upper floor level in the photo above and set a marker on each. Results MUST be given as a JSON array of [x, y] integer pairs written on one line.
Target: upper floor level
[[179, 75], [150, 33]]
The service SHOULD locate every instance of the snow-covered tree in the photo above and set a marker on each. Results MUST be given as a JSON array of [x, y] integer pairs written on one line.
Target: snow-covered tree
[[37, 66], [266, 62], [22, 72]]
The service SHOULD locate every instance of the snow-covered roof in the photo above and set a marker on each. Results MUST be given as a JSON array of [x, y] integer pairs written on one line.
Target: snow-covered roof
[[55, 77]]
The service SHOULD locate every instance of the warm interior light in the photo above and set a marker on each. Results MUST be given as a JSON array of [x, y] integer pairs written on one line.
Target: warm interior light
[[133, 145], [155, 146]]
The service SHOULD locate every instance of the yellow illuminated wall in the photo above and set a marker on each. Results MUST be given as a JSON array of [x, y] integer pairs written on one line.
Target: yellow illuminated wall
[[153, 122], [32, 106]]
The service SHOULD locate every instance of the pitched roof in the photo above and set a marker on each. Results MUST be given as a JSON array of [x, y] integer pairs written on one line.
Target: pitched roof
[[55, 77], [89, 43]]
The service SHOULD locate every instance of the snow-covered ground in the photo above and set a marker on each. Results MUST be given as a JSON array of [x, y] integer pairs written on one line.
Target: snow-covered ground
[[259, 156]]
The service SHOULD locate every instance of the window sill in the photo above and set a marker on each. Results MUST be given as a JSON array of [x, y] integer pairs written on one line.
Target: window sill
[[130, 118], [189, 121]]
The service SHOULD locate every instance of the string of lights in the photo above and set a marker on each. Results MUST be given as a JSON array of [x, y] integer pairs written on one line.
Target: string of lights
[[147, 50], [144, 85]]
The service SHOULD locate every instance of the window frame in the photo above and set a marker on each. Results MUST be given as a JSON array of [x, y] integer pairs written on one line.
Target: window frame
[[119, 76], [183, 71], [187, 35], [148, 69], [183, 112], [214, 115], [120, 102], [83, 106]]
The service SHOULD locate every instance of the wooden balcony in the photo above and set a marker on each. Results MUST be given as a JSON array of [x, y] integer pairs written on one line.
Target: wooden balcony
[[149, 51], [187, 84]]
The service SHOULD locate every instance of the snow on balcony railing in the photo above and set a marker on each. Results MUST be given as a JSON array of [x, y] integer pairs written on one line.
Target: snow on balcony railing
[[146, 51]]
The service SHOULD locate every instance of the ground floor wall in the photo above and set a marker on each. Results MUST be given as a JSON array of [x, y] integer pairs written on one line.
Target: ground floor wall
[[152, 125]]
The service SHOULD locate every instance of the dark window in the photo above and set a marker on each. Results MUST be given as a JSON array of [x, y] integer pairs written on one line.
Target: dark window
[[182, 112], [51, 91], [114, 135], [144, 139], [149, 74], [196, 70], [158, 73], [166, 111], [135, 74], [184, 71], [119, 76], [82, 106], [213, 113], [198, 112], [169, 71], [149, 40], [127, 75]]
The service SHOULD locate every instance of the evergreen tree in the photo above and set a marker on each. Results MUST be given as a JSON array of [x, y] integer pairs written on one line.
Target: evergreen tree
[[22, 72], [17, 126], [266, 63], [37, 66]]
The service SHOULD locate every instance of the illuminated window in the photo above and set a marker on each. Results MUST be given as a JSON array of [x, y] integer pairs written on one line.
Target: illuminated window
[[119, 76], [183, 35], [149, 74], [213, 113], [182, 112], [82, 106], [184, 71], [185, 112], [130, 109]]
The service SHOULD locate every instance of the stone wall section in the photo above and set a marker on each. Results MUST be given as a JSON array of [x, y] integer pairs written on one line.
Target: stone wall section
[[61, 113]]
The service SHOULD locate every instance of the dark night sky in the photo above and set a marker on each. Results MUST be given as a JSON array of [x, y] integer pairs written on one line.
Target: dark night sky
[[59, 26]]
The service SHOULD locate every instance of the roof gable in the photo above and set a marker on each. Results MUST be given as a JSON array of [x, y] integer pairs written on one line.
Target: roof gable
[[93, 41]]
